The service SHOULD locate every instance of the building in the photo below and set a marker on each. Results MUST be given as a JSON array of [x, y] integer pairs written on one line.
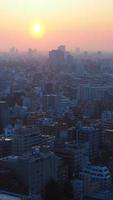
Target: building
[[50, 102], [10, 196], [62, 48], [73, 155], [78, 189], [57, 57], [5, 146], [107, 119], [24, 139], [102, 195], [34, 170], [48, 88], [96, 178], [4, 114], [90, 135], [108, 138], [93, 91]]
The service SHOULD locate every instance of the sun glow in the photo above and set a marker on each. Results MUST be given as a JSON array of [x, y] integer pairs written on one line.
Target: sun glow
[[37, 30]]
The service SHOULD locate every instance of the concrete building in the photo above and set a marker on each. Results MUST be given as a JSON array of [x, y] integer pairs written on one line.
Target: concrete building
[[96, 178], [102, 195], [5, 146], [24, 139], [4, 115], [57, 58], [93, 92], [108, 138], [78, 189], [34, 170], [107, 119], [62, 48], [72, 154], [90, 135], [50, 102]]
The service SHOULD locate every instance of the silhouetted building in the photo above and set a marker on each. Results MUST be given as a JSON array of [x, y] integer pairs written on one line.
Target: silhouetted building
[[4, 114]]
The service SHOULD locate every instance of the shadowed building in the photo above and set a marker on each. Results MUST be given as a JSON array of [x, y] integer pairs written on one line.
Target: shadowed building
[[4, 114]]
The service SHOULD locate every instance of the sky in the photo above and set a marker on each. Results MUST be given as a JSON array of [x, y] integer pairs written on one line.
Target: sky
[[87, 24]]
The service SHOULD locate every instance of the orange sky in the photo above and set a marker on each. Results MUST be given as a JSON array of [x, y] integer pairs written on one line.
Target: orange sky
[[77, 23]]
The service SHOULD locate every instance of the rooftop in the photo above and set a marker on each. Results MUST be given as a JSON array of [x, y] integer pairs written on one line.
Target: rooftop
[[30, 157], [9, 196], [109, 130]]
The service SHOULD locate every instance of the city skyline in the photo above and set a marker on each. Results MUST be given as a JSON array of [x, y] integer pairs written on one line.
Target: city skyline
[[85, 24]]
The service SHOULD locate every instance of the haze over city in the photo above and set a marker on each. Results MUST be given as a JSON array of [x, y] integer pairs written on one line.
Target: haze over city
[[85, 23], [56, 100]]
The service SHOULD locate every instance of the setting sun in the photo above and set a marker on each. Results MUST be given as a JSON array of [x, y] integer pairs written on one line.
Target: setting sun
[[37, 30]]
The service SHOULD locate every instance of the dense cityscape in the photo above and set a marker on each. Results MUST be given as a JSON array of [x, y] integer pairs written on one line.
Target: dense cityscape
[[56, 125]]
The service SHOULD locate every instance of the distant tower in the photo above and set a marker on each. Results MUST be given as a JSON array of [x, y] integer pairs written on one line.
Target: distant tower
[[56, 57], [85, 53], [77, 51], [62, 48], [99, 53]]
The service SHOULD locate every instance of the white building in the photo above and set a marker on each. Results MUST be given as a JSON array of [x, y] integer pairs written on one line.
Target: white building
[[96, 178]]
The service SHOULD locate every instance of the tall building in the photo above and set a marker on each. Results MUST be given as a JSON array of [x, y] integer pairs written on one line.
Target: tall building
[[35, 170], [48, 88], [56, 58], [77, 51], [24, 139], [90, 135], [50, 102], [72, 155], [4, 114], [5, 146], [62, 48]]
